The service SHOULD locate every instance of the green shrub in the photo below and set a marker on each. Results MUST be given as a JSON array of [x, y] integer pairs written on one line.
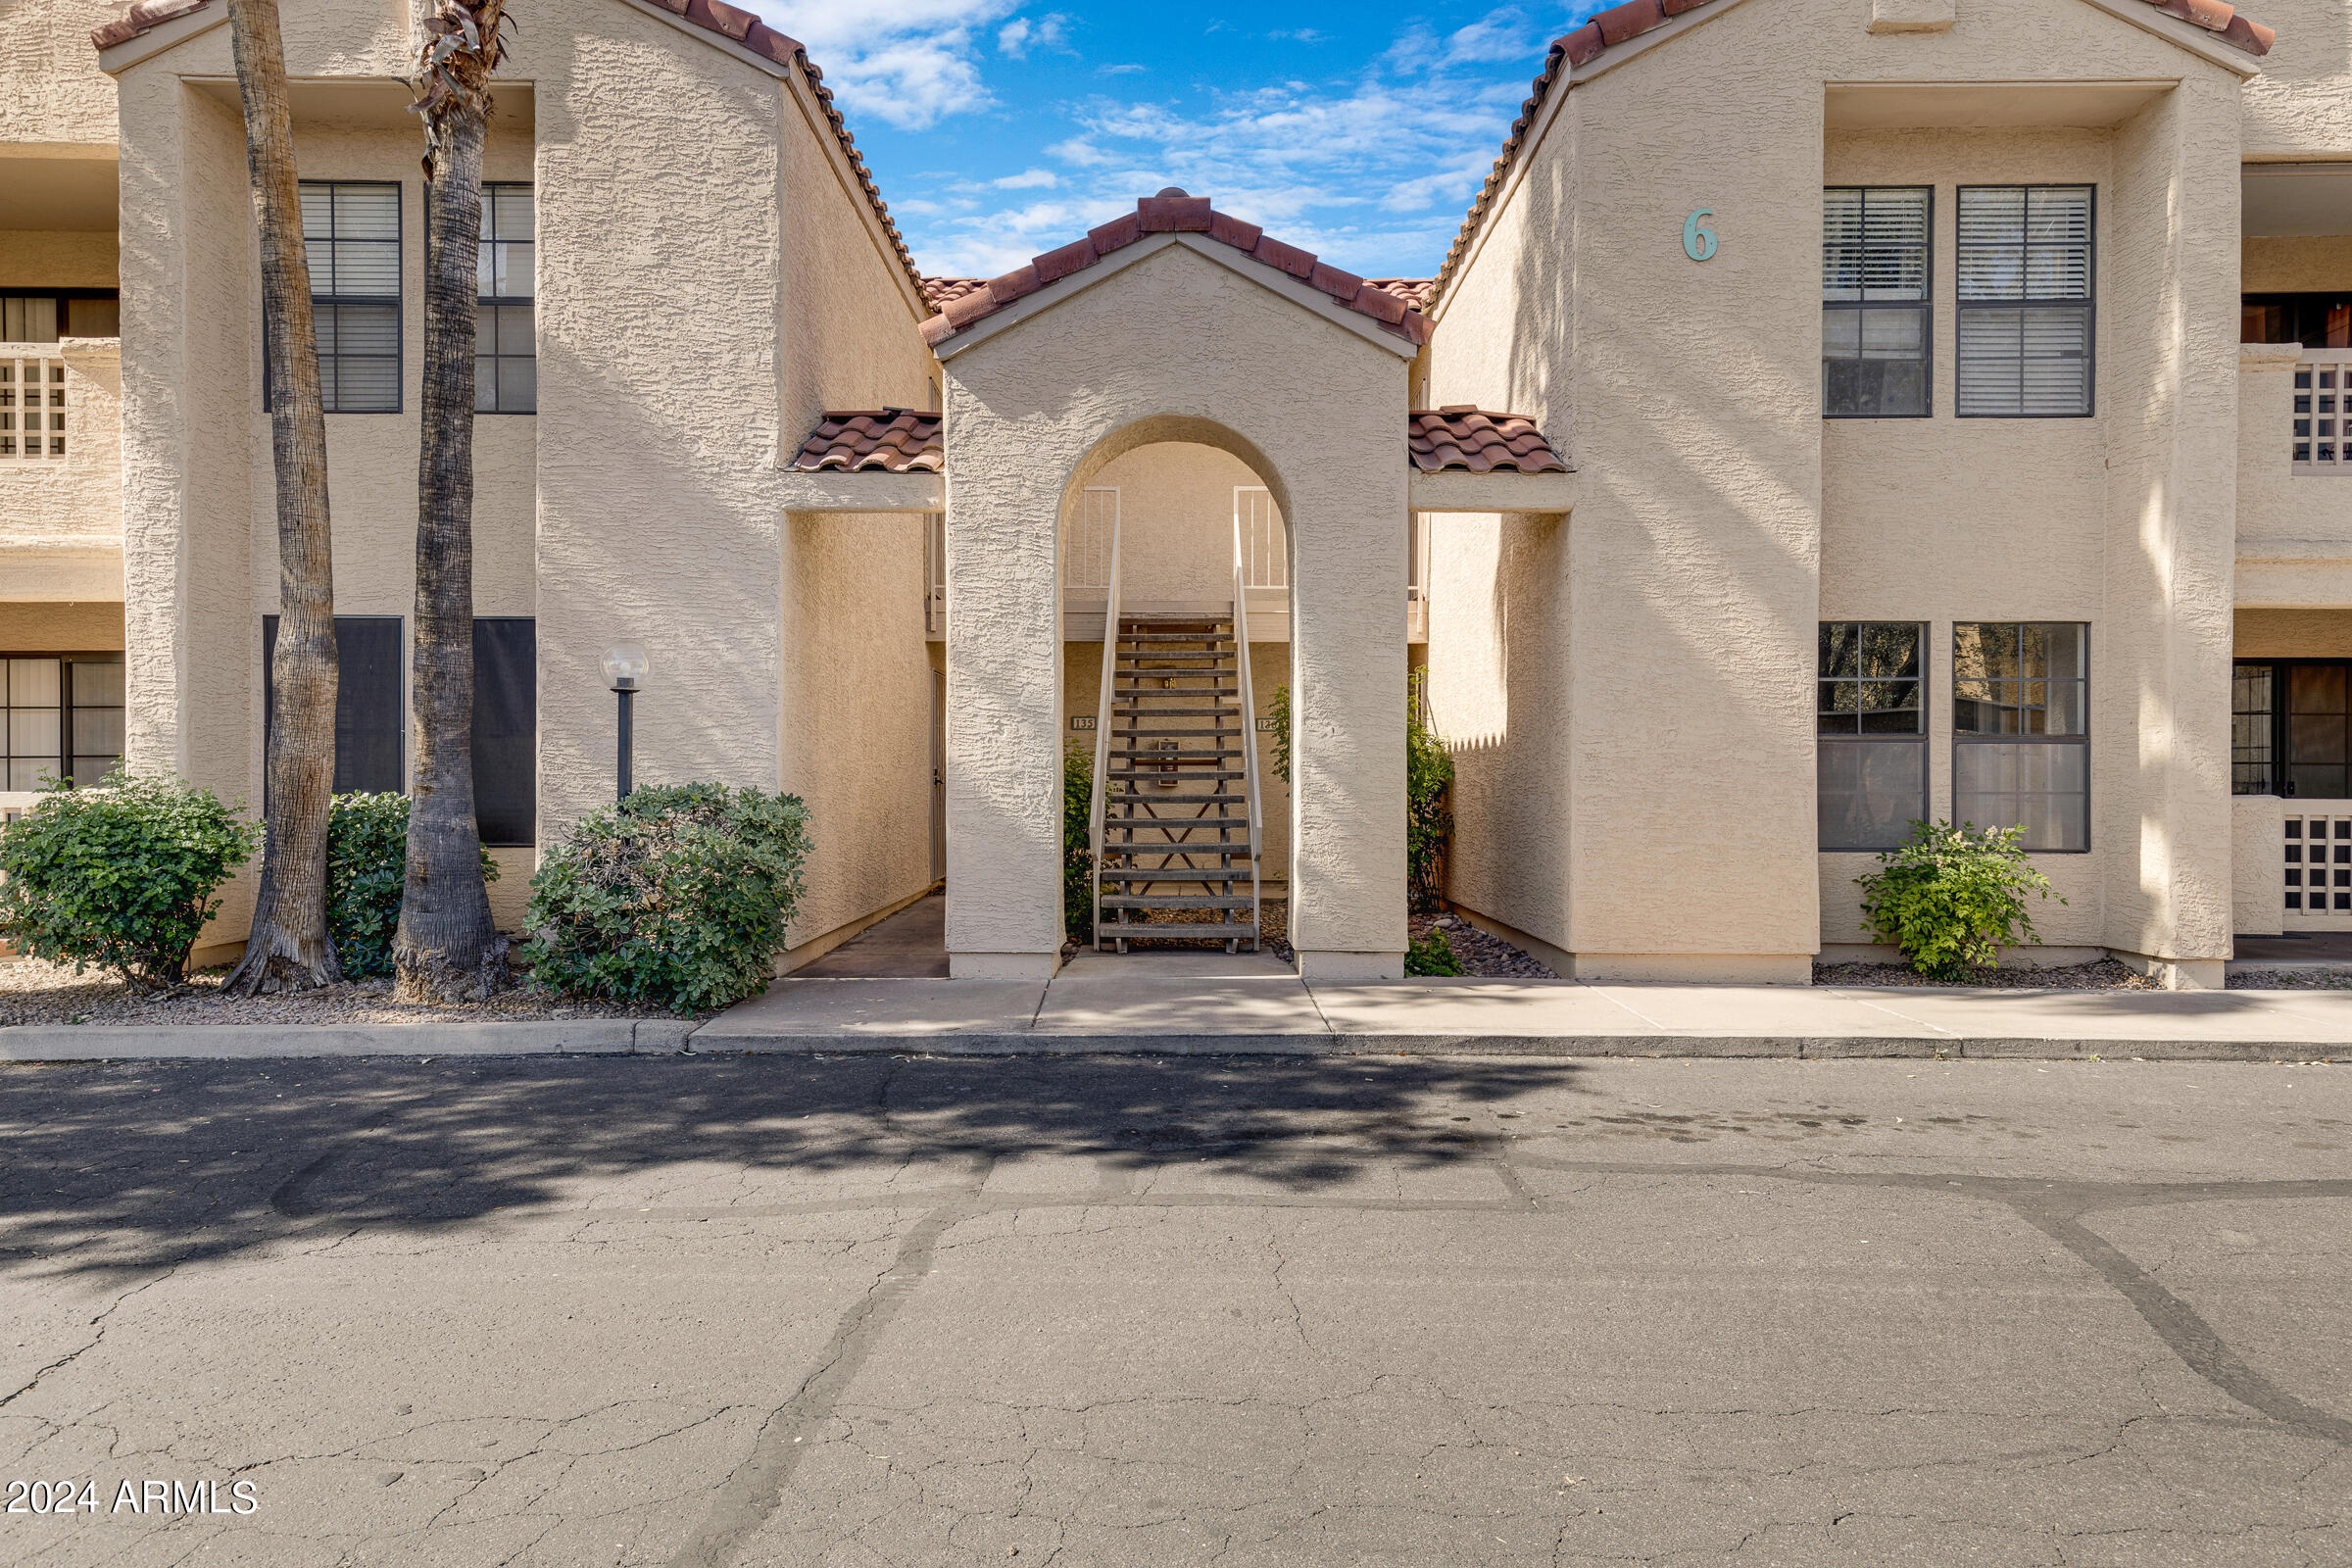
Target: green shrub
[[120, 876], [677, 897], [367, 875], [1431, 955], [1428, 817], [1278, 709], [1077, 841], [1952, 898]]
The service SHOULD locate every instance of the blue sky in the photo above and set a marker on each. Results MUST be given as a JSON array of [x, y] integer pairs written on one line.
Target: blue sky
[[998, 129]]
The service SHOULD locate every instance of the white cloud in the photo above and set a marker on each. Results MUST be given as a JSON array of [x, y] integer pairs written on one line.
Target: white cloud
[[1017, 36], [909, 63], [1078, 150], [1028, 179]]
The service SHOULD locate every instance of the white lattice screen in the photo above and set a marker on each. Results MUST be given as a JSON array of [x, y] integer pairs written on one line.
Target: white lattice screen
[[33, 406], [1264, 542], [1086, 548], [2318, 869], [2323, 412]]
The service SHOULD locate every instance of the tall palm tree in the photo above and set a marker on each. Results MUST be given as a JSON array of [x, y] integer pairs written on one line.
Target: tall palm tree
[[289, 949], [447, 948]]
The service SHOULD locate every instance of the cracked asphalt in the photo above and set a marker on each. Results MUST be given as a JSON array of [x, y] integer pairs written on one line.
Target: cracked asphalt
[[1080, 1311]]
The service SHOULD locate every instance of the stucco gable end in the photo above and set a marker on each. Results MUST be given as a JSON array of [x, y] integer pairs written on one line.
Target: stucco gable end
[[978, 323]]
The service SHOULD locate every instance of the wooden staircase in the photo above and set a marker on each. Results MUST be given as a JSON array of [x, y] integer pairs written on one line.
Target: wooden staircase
[[1177, 785]]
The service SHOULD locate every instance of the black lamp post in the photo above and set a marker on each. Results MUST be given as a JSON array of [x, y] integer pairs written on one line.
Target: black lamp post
[[625, 667]]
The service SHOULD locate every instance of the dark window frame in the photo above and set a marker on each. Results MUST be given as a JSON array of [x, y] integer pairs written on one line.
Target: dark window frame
[[1918, 738], [508, 302], [1962, 739], [67, 658], [2334, 302], [2089, 305], [2282, 761], [1925, 305], [399, 302]]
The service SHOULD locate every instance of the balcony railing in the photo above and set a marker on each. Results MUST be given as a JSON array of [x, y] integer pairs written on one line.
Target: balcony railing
[[2323, 412], [32, 402]]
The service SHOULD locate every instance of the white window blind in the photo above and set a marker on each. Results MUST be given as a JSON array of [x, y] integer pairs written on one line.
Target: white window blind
[[351, 234], [2026, 301], [1874, 301]]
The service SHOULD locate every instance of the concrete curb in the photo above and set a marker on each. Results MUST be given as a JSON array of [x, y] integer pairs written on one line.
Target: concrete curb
[[1693, 1046], [624, 1037], [583, 1037]]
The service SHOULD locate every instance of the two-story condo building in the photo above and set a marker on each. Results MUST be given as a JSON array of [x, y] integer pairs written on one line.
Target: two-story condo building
[[1832, 412]]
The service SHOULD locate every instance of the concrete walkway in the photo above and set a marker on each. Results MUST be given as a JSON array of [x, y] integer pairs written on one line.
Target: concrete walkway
[[1195, 1002]]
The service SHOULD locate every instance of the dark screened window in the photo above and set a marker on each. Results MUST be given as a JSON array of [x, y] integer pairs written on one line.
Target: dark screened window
[[371, 702], [2292, 728], [2253, 715], [1874, 336], [2314, 321], [506, 364], [2020, 734], [1870, 759], [506, 730], [2026, 281], [351, 233]]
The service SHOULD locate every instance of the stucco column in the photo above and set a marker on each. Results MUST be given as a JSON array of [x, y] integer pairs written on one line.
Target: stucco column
[[1003, 706], [1348, 706]]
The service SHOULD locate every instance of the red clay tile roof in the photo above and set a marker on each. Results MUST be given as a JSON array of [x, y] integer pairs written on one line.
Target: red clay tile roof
[[873, 441], [1636, 16], [942, 290], [1414, 291], [713, 15], [1172, 211], [1463, 436], [907, 441]]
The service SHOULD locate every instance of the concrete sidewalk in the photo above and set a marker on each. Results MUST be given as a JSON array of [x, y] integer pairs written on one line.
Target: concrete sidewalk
[[1196, 1002], [1200, 1004]]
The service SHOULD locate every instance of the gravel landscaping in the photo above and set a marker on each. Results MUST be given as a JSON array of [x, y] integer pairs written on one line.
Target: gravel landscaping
[[1481, 953], [32, 992], [2108, 974], [2291, 979]]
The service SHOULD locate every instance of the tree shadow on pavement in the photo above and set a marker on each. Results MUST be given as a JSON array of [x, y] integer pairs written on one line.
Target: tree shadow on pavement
[[130, 1166]]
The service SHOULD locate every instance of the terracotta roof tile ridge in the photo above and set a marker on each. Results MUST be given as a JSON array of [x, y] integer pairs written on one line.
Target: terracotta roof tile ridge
[[887, 440], [736, 25], [1173, 212], [1463, 435], [1633, 18]]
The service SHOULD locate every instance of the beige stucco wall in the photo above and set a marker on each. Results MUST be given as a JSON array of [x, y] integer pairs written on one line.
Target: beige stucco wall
[[2293, 633], [2300, 104], [2294, 530], [2296, 263], [1722, 518], [70, 509], [53, 257], [1176, 511], [2257, 833], [1033, 413], [60, 628], [51, 89]]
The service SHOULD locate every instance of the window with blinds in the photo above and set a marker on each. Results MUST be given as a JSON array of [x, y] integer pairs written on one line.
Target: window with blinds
[[1874, 301], [351, 234], [506, 361], [2026, 301]]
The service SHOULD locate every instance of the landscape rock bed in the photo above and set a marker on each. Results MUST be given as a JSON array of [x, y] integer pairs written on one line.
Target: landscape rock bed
[[1481, 954], [32, 992], [2108, 974]]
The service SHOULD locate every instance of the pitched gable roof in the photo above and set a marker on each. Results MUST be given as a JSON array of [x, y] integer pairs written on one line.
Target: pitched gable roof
[[1635, 18], [736, 25], [964, 301]]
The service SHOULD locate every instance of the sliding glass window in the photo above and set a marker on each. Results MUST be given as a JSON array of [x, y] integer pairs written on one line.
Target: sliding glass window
[[506, 364], [1874, 302], [2025, 327], [1871, 756], [2021, 733]]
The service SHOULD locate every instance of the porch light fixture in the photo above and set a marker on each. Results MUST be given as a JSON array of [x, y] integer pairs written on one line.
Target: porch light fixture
[[625, 668]]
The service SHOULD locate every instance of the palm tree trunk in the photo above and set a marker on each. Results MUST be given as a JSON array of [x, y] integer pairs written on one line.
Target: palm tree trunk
[[288, 948], [448, 948]]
